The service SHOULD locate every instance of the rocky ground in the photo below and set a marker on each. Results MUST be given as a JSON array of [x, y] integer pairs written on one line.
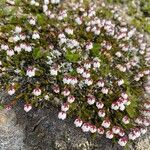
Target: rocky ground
[[11, 133], [40, 129], [44, 131]]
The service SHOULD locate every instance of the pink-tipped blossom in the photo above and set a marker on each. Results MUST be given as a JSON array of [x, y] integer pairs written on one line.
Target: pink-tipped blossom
[[85, 127], [27, 107], [91, 100], [93, 128], [11, 90], [56, 89], [65, 107], [78, 122], [99, 105], [30, 72], [89, 46], [100, 83], [101, 113], [123, 141], [62, 115], [87, 65], [8, 107], [80, 70], [109, 134], [66, 92], [121, 133], [115, 129], [86, 74], [88, 82], [105, 90], [70, 99], [125, 120], [100, 130], [37, 91], [96, 64], [106, 123]]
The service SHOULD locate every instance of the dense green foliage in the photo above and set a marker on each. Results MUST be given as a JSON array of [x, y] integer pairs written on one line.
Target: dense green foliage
[[77, 55]]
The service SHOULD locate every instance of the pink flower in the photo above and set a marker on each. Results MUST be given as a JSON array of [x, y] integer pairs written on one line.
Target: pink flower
[[54, 71], [146, 122], [124, 95], [132, 136], [88, 82], [62, 115], [78, 122], [96, 64], [89, 46], [109, 134], [78, 20], [137, 132], [56, 89], [86, 74], [37, 91], [120, 82], [116, 129], [121, 103], [146, 112], [101, 113], [121, 133], [146, 72], [118, 54], [85, 127], [17, 48], [122, 107], [66, 80], [106, 123], [70, 99], [100, 83], [74, 80], [30, 72], [65, 107], [147, 105], [115, 106], [27, 107], [69, 31], [91, 100], [125, 120], [18, 29], [101, 130], [4, 47], [104, 90], [80, 70], [123, 141], [8, 107], [11, 90], [66, 92], [87, 65], [28, 48], [139, 120], [10, 52], [99, 105], [93, 129]]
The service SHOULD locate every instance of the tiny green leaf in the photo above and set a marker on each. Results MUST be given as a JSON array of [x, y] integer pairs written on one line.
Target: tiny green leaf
[[37, 53], [72, 57]]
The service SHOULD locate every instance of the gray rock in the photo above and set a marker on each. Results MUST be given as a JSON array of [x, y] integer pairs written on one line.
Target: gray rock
[[44, 131], [11, 134]]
